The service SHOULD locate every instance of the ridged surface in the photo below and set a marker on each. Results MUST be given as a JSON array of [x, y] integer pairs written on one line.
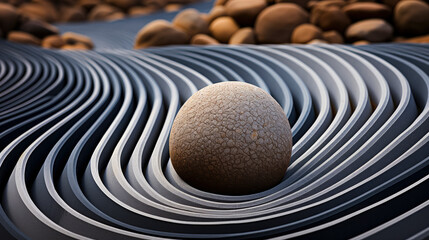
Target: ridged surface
[[84, 141]]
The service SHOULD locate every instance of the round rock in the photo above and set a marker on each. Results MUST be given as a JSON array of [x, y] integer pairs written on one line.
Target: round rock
[[330, 18], [245, 12], [191, 22], [371, 30], [305, 33], [54, 41], [231, 138], [203, 39], [23, 37], [412, 18], [366, 10], [276, 23], [160, 33], [223, 28], [72, 38], [333, 37], [243, 36], [105, 12]]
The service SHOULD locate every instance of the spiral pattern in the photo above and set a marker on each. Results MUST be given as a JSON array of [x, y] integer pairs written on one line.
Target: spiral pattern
[[84, 143]]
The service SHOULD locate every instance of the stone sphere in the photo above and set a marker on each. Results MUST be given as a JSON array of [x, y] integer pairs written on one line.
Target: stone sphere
[[231, 138]]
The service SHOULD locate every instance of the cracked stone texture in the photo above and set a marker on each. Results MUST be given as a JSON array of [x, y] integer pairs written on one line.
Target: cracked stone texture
[[231, 138]]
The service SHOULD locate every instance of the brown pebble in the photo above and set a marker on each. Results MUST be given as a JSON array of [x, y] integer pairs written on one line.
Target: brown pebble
[[191, 22], [305, 33], [173, 7], [245, 12], [72, 38], [39, 28], [8, 17], [23, 37], [333, 37], [160, 33], [330, 18], [217, 11], [366, 10], [412, 18], [223, 28], [105, 12], [372, 30], [276, 23], [243, 36], [138, 11], [54, 41], [203, 39], [72, 14], [43, 11]]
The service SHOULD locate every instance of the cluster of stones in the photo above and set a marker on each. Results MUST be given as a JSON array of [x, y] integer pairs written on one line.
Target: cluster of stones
[[91, 10], [23, 27], [293, 21]]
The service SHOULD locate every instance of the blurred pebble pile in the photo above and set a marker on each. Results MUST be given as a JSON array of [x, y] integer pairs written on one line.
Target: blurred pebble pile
[[293, 21], [29, 22]]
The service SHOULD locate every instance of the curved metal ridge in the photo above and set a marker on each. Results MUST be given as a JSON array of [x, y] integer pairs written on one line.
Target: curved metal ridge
[[84, 143]]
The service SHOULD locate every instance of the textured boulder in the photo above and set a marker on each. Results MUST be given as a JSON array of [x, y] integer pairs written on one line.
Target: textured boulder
[[191, 22], [366, 10], [276, 23], [39, 28], [223, 28], [71, 38], [203, 39], [371, 30], [243, 36], [330, 18], [231, 138], [333, 37], [8, 17], [305, 33], [54, 41], [245, 12], [160, 33], [23, 37], [412, 18]]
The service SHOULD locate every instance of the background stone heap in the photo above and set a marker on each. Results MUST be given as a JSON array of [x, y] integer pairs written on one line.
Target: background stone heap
[[293, 21], [29, 22]]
